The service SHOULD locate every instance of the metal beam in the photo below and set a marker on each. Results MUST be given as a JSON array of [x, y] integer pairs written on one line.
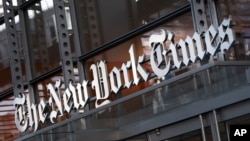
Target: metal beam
[[13, 47], [64, 44], [27, 52], [202, 128], [199, 15], [214, 126], [77, 44]]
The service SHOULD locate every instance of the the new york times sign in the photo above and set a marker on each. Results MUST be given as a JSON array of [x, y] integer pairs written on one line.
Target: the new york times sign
[[104, 83]]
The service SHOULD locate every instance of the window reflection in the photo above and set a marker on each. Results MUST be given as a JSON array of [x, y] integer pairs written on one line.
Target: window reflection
[[8, 130], [118, 55], [4, 63], [192, 136], [238, 11], [102, 21], [43, 39]]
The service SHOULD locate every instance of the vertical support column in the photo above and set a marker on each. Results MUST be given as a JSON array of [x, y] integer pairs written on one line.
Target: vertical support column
[[50, 135], [26, 49], [64, 44], [77, 43], [195, 82], [13, 48], [213, 13], [215, 21], [202, 128], [214, 126], [93, 23], [24, 41], [199, 15], [72, 136], [228, 131]]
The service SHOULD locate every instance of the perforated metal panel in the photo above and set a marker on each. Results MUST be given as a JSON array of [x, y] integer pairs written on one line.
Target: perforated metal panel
[[64, 44], [13, 47]]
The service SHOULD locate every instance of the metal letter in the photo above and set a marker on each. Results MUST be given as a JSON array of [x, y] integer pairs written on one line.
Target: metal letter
[[160, 63], [55, 101], [67, 100], [226, 34], [134, 66], [83, 93], [210, 39], [21, 119], [158, 58], [72, 89], [53, 115], [34, 114], [30, 115], [201, 52], [175, 55], [127, 81], [100, 83], [144, 74], [115, 80], [158, 38], [42, 111], [185, 54], [192, 49]]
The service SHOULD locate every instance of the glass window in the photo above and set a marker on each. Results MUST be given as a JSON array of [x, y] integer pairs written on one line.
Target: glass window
[[4, 62], [42, 37], [117, 57], [191, 136], [8, 130], [102, 21]]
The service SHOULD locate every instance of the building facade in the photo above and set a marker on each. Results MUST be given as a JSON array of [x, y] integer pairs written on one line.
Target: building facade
[[134, 70]]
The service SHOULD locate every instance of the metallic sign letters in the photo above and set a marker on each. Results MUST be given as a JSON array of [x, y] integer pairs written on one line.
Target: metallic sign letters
[[76, 96]]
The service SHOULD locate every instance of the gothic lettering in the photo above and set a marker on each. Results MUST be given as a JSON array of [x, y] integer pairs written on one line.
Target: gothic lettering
[[115, 80], [104, 83]]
